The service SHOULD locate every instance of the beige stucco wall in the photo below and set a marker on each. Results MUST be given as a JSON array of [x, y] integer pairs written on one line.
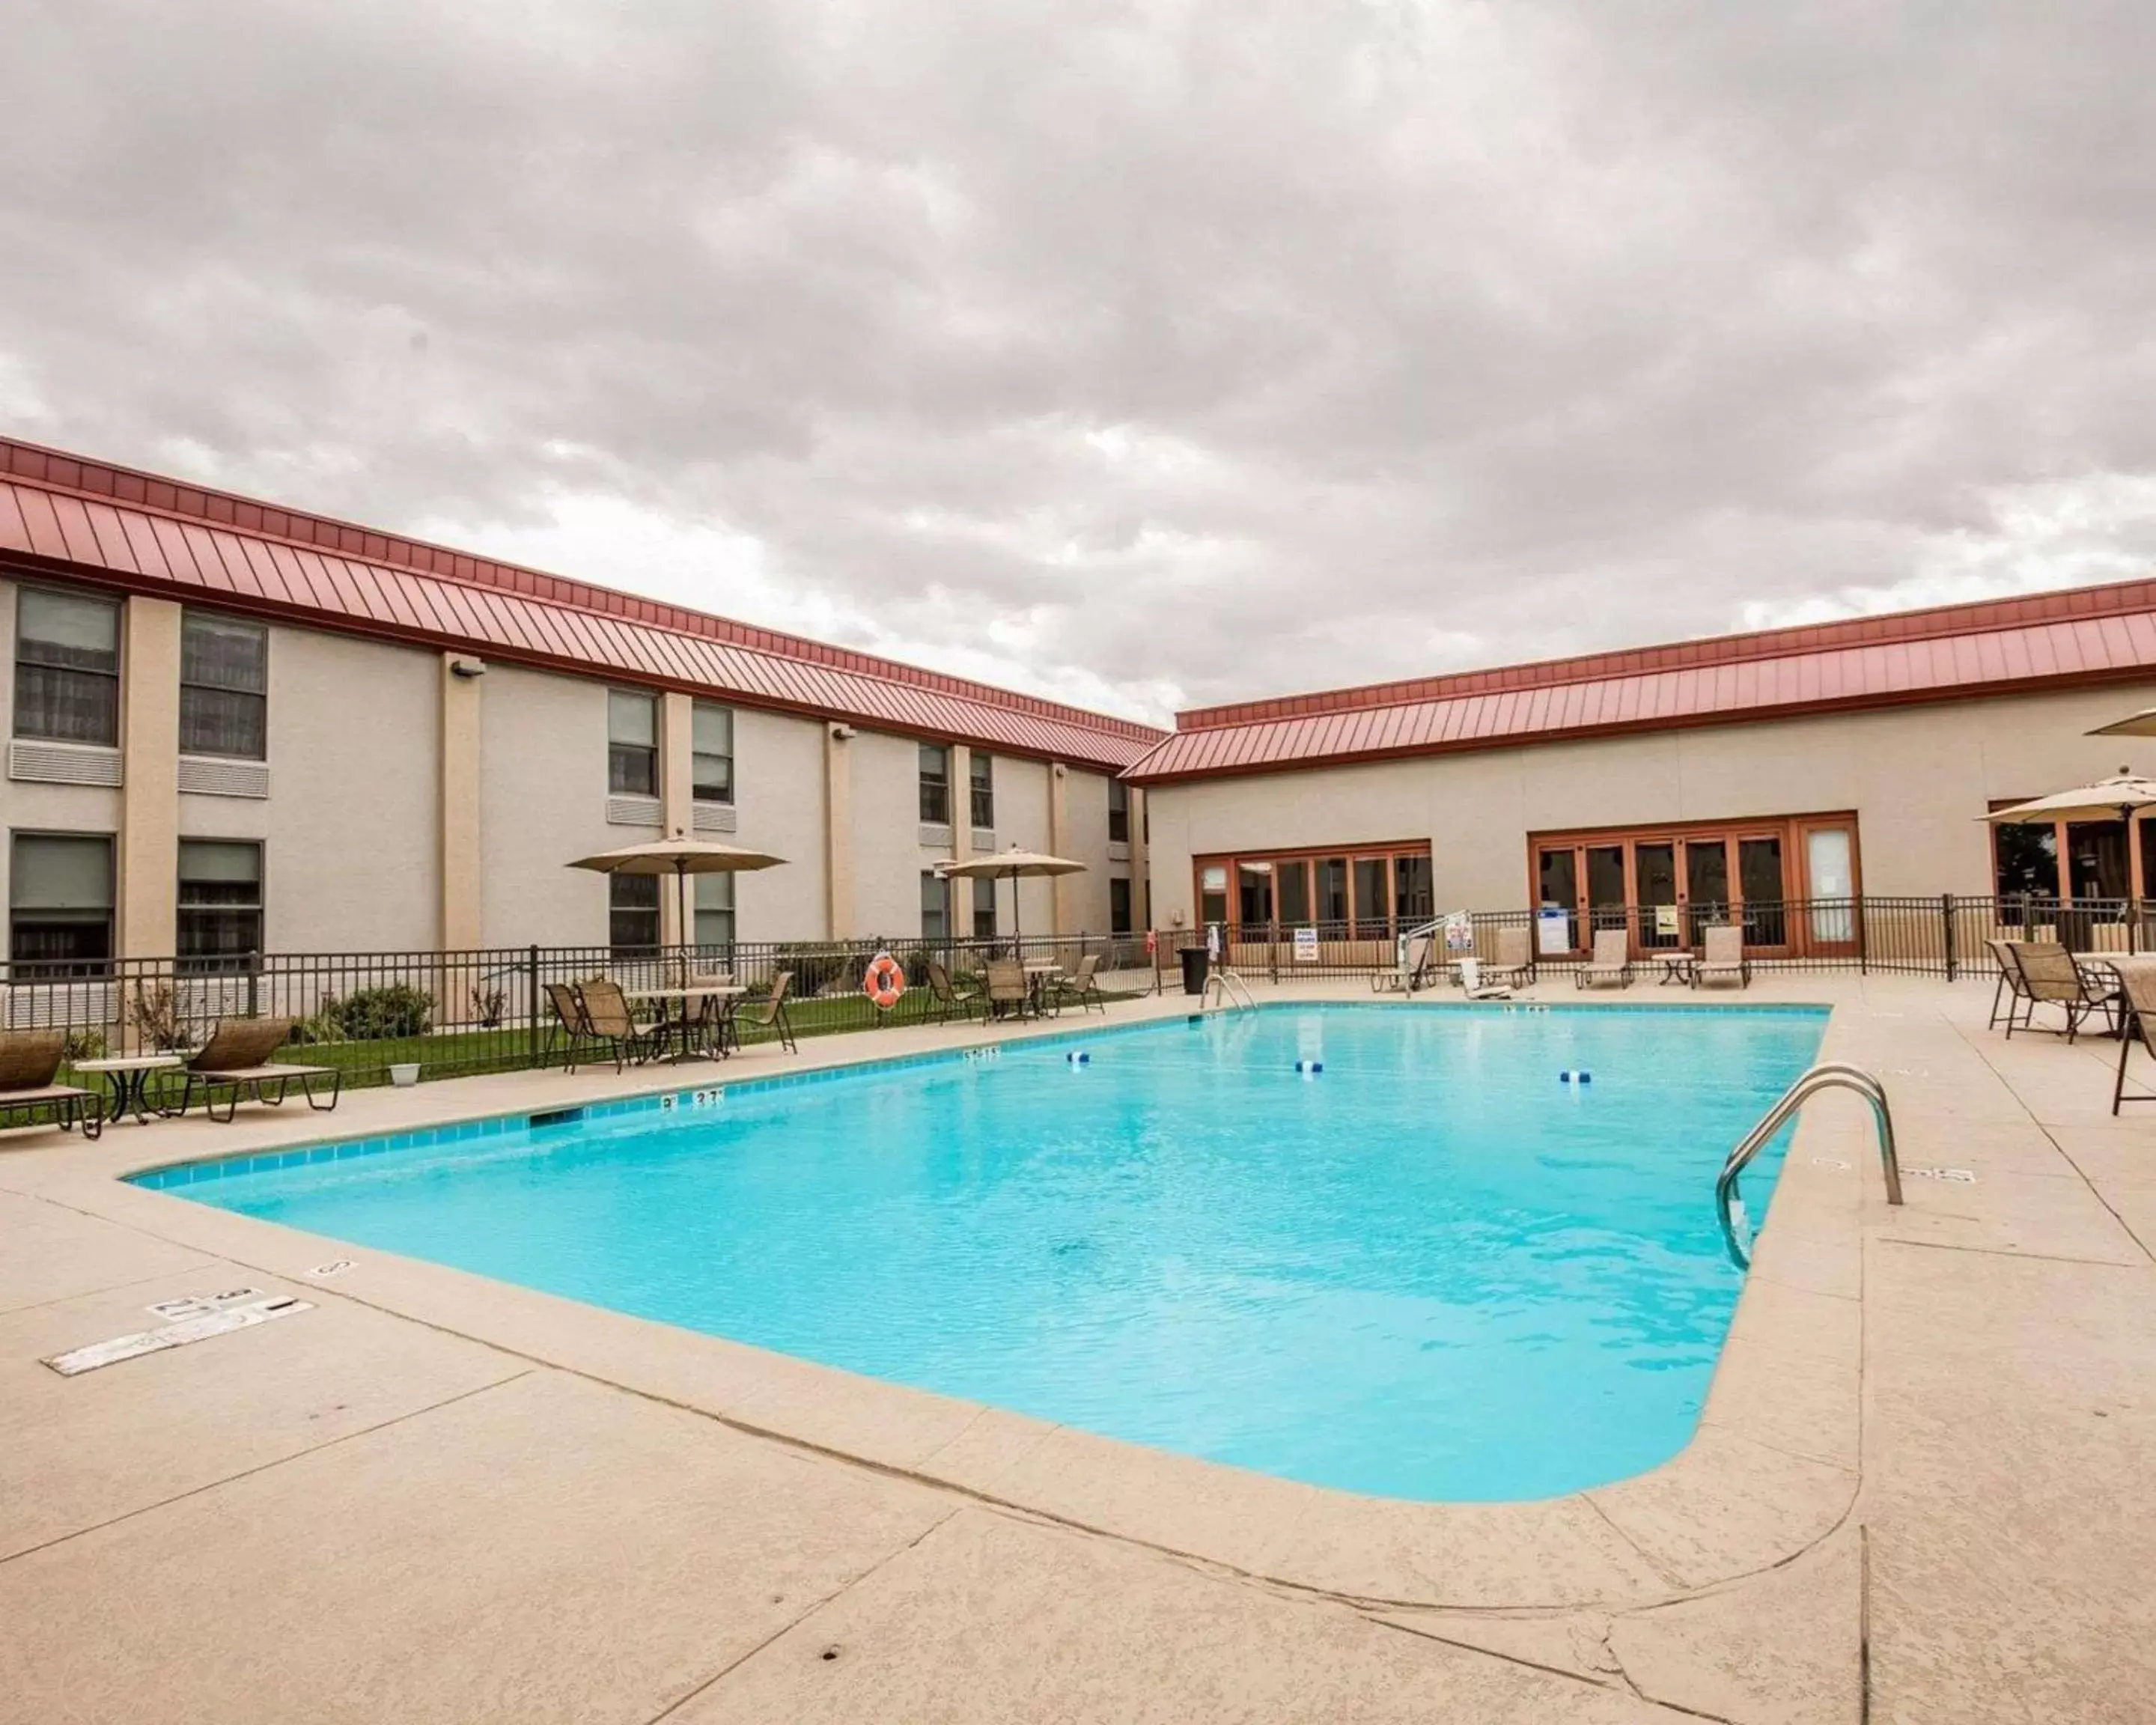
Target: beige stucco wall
[[1919, 778], [542, 803], [1022, 819], [779, 802], [1085, 839], [888, 857]]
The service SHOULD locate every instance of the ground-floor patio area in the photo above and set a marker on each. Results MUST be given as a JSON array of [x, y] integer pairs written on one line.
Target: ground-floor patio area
[[1917, 1494]]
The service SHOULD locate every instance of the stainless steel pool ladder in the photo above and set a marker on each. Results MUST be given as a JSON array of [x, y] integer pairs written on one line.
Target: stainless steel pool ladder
[[1830, 1076], [1231, 986]]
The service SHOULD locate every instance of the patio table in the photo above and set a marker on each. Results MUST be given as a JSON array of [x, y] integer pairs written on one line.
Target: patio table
[[129, 1077], [676, 1028]]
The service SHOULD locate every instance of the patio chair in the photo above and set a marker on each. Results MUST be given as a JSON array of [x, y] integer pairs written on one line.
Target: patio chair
[[1008, 990], [1722, 959], [608, 1020], [569, 1024], [1418, 972], [949, 998], [2137, 1009], [235, 1062], [2010, 990], [1470, 971], [29, 1063], [710, 1018], [1082, 986], [1514, 966], [2050, 978], [771, 1014], [1611, 966]]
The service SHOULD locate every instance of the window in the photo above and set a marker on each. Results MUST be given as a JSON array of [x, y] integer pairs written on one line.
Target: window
[[714, 910], [67, 667], [2027, 859], [935, 784], [713, 766], [632, 745], [984, 909], [935, 898], [1119, 812], [1370, 895], [1119, 905], [220, 921], [1213, 894], [59, 901], [224, 686], [983, 773], [632, 913]]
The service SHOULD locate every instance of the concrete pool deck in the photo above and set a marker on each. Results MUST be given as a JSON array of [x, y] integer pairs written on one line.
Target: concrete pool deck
[[437, 1496]]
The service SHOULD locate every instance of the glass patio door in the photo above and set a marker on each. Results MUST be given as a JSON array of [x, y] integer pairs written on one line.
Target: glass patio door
[[1706, 885], [1656, 866]]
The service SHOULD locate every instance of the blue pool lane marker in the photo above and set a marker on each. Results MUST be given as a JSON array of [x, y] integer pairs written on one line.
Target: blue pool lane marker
[[1310, 1068], [1571, 1077]]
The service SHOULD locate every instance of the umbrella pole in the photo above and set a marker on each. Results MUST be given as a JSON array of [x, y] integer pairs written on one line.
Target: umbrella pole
[[681, 928]]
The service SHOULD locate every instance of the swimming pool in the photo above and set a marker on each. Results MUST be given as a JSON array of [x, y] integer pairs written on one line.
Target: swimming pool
[[1433, 1270]]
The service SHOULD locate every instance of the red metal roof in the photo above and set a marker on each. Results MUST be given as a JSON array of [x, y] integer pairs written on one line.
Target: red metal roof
[[60, 514], [2082, 635]]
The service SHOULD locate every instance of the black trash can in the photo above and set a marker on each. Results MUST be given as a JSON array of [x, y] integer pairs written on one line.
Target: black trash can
[[1197, 962]]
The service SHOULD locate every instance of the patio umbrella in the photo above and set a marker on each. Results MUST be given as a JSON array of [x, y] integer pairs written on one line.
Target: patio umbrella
[[2140, 724], [680, 856], [2119, 798], [1014, 865]]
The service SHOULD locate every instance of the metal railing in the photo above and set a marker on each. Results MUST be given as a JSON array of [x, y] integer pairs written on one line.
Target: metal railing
[[1832, 1074]]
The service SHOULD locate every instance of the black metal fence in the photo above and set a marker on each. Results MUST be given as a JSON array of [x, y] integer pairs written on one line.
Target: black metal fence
[[1942, 936], [453, 1013]]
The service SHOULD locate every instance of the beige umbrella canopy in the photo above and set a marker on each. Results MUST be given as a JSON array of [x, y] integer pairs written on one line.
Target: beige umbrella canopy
[[2140, 724], [681, 857], [1014, 865], [2119, 798]]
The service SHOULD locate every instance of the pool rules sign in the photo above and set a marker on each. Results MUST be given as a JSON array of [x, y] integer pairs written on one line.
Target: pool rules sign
[[1306, 946]]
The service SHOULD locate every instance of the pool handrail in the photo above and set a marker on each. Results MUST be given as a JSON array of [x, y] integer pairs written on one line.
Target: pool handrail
[[1829, 1074]]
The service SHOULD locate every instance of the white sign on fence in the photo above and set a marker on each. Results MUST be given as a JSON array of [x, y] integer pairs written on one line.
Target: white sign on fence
[[1306, 946]]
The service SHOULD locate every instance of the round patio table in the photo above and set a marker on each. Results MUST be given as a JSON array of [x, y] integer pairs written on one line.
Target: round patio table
[[129, 1077]]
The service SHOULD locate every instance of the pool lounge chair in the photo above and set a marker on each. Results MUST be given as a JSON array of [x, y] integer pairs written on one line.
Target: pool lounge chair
[[1723, 960], [1611, 966], [1418, 972], [948, 996], [1514, 966], [770, 1014], [2050, 978], [235, 1063], [1471, 982], [30, 1062]]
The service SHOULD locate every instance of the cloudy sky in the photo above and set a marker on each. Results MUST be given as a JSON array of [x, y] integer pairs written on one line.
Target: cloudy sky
[[1144, 354]]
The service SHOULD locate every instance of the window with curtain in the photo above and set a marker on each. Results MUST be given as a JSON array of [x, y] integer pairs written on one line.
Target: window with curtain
[[935, 905], [981, 770], [632, 913], [632, 743], [59, 901], [713, 767], [714, 910], [67, 667], [220, 908], [224, 686], [1119, 812], [935, 784]]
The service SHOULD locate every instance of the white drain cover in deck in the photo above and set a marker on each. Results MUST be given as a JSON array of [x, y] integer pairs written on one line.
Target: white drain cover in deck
[[217, 1321]]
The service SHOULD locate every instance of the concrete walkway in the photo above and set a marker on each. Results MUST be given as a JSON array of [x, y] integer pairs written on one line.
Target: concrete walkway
[[432, 1497]]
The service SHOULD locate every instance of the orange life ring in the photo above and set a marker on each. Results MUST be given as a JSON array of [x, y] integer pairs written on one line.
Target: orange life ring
[[885, 981]]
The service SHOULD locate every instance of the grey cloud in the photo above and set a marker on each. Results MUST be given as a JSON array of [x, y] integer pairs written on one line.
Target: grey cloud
[[1223, 347]]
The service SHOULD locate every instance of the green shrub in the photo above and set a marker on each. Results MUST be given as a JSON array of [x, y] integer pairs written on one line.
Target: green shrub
[[84, 1046], [379, 1015]]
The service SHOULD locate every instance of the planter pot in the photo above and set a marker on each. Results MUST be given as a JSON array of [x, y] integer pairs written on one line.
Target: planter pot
[[405, 1074]]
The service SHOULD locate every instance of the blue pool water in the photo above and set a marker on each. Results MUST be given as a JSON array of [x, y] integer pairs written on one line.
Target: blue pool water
[[1433, 1271]]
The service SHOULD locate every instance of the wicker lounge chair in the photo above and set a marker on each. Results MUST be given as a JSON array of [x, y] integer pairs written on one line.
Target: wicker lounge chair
[[608, 1020], [235, 1063], [1723, 960], [771, 1015], [1418, 972], [1611, 966], [1514, 966], [1082, 986], [2050, 978], [949, 998], [30, 1062]]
